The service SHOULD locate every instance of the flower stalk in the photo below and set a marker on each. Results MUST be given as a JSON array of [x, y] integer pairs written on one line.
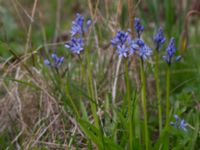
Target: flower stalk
[[130, 109], [144, 105], [158, 91], [168, 93], [159, 40]]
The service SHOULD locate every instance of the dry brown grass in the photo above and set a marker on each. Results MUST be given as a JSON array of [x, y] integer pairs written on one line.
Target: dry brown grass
[[31, 115]]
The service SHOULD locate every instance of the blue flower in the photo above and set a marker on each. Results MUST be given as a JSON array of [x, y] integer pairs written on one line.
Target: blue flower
[[75, 45], [126, 46], [120, 41], [140, 42], [56, 63], [122, 50], [78, 29], [179, 123], [88, 24], [138, 27], [159, 39], [183, 125], [171, 49], [178, 58], [120, 38], [47, 62], [176, 117], [78, 25], [133, 46], [144, 50]]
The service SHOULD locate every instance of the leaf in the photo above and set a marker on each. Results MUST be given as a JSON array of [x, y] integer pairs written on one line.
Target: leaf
[[91, 132], [94, 134]]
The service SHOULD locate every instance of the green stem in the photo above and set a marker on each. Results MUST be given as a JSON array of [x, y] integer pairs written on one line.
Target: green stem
[[167, 93], [158, 92], [71, 101], [166, 145], [143, 99], [91, 92], [128, 93]]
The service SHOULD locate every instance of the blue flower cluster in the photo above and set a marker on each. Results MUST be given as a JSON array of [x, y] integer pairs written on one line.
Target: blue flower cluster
[[75, 45], [144, 50], [159, 39], [78, 30], [78, 26], [171, 49], [56, 61], [179, 123], [127, 46], [123, 42], [138, 27], [120, 38], [120, 41]]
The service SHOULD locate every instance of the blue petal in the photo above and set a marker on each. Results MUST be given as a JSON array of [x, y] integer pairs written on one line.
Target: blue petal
[[47, 62], [178, 58], [89, 23], [176, 117]]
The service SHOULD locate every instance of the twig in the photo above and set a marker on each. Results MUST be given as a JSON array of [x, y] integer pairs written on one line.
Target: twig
[[44, 131], [18, 13], [93, 15], [115, 81], [22, 8], [131, 10], [30, 31], [193, 128], [53, 144], [30, 27], [58, 12]]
